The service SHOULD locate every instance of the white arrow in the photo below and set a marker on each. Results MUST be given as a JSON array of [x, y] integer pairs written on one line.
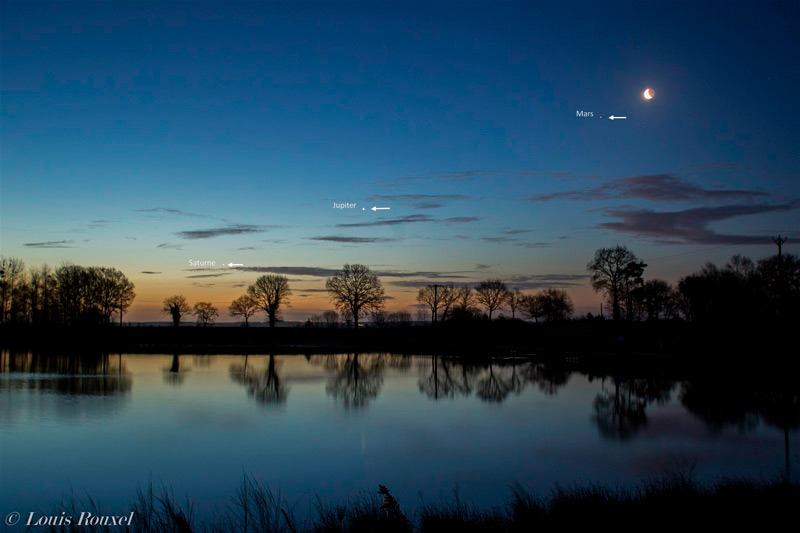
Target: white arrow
[[612, 117], [231, 265], [380, 208]]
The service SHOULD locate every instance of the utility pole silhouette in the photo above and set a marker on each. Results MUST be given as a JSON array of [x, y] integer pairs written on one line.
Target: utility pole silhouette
[[779, 241]]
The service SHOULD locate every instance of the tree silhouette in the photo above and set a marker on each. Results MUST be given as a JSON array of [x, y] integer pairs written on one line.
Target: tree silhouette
[[244, 306], [112, 289], [515, 300], [11, 274], [438, 298], [354, 290], [654, 300], [330, 318], [271, 292], [632, 280], [556, 305], [177, 307], [492, 294], [73, 294], [205, 313], [531, 305], [464, 303], [720, 295], [615, 272], [779, 280]]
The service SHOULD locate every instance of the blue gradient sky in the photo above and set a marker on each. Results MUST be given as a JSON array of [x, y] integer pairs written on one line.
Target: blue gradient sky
[[125, 124]]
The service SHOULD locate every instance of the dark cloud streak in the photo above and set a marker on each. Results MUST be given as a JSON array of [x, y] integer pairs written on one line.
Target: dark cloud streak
[[50, 244], [654, 187], [409, 219], [234, 229], [688, 226], [351, 240]]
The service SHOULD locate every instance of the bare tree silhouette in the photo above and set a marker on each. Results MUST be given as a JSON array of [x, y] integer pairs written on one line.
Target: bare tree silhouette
[[244, 306], [354, 290], [177, 307], [437, 297], [492, 294], [113, 291], [532, 306], [555, 304], [515, 300], [464, 303], [71, 295], [330, 318], [205, 313], [11, 273], [271, 292]]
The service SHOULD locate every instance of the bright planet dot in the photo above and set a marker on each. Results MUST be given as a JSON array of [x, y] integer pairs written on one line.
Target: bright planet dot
[[648, 94]]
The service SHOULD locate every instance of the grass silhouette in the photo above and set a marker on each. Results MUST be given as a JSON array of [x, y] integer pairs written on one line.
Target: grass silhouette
[[664, 502]]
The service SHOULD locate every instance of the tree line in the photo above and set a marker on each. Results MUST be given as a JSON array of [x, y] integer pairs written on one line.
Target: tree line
[[450, 302], [354, 291], [742, 288], [70, 294], [767, 288]]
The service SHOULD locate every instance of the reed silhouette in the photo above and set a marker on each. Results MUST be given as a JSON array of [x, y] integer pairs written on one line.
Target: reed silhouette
[[665, 501]]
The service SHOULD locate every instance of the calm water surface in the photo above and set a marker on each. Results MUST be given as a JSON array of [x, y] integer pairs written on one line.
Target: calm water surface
[[334, 425]]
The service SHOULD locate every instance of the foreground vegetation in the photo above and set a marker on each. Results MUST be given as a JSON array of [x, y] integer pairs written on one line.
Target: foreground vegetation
[[667, 502]]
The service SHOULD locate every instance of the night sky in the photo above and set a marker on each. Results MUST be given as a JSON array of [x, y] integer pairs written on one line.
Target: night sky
[[141, 136]]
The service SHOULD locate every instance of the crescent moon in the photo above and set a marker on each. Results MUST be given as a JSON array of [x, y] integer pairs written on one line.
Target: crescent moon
[[649, 94]]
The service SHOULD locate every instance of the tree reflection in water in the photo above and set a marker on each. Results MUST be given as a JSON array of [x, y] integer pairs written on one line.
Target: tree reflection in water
[[85, 374], [174, 374], [357, 379], [495, 384], [548, 378], [492, 380], [743, 403], [442, 378], [71, 387], [620, 413], [265, 385]]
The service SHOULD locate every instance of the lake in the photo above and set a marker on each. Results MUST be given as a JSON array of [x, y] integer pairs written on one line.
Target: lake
[[334, 425]]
